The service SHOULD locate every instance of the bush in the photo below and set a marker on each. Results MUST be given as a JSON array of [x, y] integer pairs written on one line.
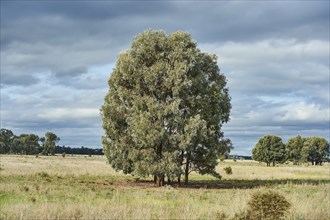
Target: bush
[[63, 155], [228, 170], [267, 205]]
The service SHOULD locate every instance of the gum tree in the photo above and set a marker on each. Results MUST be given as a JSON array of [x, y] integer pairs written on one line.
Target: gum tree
[[315, 150], [6, 140], [166, 104], [269, 149], [293, 149], [50, 143]]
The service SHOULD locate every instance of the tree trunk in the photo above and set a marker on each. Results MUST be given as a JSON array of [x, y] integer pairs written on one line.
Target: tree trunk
[[161, 180], [186, 171], [155, 179], [169, 182], [181, 161]]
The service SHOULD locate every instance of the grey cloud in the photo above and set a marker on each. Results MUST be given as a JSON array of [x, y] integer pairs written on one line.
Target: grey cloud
[[67, 37], [251, 21]]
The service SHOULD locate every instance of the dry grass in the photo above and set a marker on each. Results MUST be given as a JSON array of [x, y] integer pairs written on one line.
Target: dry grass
[[55, 165], [250, 170], [87, 188]]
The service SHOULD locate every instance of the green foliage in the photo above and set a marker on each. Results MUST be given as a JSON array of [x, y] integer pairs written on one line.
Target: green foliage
[[267, 205], [23, 144], [228, 170], [293, 149], [315, 150], [29, 143], [163, 113], [6, 140], [269, 149], [50, 143]]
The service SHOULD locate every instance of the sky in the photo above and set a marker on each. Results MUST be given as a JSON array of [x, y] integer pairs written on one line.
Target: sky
[[57, 56]]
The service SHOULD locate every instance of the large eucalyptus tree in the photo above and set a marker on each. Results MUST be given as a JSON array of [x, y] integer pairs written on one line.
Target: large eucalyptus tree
[[166, 104]]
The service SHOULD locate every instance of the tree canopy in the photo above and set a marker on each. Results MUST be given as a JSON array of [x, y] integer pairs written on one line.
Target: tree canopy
[[269, 149], [166, 104], [293, 149], [50, 143], [315, 150]]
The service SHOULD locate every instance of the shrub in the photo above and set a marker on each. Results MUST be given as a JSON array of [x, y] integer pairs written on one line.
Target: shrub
[[228, 170], [267, 205], [63, 155]]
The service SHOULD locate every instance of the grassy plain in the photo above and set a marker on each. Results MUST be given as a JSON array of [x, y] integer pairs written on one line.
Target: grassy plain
[[79, 187]]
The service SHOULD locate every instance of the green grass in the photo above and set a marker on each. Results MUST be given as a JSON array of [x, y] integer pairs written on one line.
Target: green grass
[[100, 193]]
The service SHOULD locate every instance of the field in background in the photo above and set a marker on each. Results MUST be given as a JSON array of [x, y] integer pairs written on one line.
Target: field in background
[[82, 187]]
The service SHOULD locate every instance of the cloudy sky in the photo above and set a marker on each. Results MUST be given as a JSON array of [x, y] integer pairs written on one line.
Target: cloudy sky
[[56, 57]]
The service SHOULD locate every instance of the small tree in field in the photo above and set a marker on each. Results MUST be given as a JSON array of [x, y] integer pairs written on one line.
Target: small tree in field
[[315, 150], [269, 149], [50, 143], [165, 107], [293, 149]]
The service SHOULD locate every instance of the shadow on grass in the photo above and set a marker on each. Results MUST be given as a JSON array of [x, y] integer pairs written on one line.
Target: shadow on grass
[[248, 184]]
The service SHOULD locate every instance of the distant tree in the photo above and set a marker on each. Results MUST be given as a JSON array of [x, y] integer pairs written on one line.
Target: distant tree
[[163, 113], [269, 149], [6, 140], [50, 143], [18, 146], [42, 140], [293, 149], [29, 143], [315, 150], [80, 150]]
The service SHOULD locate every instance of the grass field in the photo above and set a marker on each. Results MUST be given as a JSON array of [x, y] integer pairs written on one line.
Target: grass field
[[80, 187]]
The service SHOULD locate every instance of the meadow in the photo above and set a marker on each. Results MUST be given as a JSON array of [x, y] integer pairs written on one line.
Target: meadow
[[82, 187]]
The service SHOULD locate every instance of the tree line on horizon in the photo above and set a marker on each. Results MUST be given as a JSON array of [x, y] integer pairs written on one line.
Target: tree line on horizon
[[271, 150], [32, 144]]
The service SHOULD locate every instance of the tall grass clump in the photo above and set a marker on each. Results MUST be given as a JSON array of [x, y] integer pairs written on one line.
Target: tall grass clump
[[267, 205], [228, 170]]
